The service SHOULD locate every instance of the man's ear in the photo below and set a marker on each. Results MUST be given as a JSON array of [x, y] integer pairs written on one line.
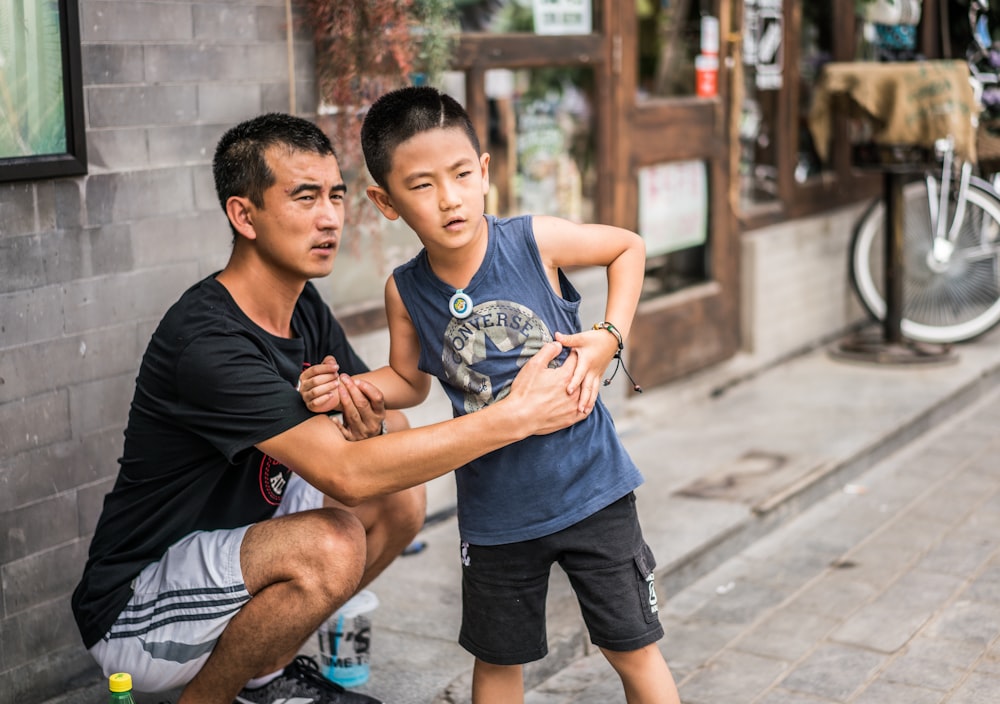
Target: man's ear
[[380, 197], [240, 213]]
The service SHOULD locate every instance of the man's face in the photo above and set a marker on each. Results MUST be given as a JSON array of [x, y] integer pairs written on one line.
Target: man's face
[[297, 231]]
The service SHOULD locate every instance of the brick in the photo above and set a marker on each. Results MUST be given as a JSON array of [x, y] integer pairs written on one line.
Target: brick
[[39, 631], [786, 635], [197, 237], [271, 24], [229, 103], [968, 621], [933, 673], [890, 621], [134, 21], [881, 691], [43, 576], [114, 300], [69, 202], [31, 315], [834, 672], [225, 23], [733, 677], [90, 502], [205, 197], [130, 106], [17, 210], [45, 205], [58, 676], [105, 64], [122, 197], [118, 149], [95, 251], [42, 472], [211, 62], [184, 144], [34, 421], [100, 404], [36, 368], [37, 527]]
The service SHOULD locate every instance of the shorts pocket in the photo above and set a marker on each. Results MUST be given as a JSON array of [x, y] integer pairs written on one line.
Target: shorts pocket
[[645, 566]]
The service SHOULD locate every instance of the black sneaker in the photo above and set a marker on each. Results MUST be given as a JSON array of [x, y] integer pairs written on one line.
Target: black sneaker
[[302, 683]]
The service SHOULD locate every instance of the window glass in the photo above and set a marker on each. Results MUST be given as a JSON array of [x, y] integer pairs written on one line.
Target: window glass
[[674, 207], [31, 80], [541, 142], [559, 17], [763, 59], [816, 50], [678, 41]]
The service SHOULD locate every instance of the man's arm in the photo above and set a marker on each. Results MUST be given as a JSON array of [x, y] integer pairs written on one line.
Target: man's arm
[[352, 472]]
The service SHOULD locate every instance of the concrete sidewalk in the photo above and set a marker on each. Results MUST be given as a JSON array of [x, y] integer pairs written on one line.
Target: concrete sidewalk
[[728, 458], [883, 592]]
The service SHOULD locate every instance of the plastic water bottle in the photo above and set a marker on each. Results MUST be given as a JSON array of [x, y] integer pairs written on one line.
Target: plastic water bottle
[[120, 685]]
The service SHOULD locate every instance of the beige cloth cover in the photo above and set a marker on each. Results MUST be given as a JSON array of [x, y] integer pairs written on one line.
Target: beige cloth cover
[[911, 103]]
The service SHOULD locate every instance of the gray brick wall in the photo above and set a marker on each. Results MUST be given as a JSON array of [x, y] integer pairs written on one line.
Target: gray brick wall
[[88, 265]]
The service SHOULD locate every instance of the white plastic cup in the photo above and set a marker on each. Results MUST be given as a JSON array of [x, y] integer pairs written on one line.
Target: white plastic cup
[[345, 641]]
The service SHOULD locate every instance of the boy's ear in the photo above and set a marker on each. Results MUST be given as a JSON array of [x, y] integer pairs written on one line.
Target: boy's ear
[[380, 197], [484, 164], [239, 210]]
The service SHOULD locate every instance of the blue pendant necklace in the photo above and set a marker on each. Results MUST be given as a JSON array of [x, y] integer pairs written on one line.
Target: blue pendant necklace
[[460, 305]]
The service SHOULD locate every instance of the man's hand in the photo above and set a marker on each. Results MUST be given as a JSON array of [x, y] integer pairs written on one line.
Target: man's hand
[[362, 406], [318, 386], [540, 394]]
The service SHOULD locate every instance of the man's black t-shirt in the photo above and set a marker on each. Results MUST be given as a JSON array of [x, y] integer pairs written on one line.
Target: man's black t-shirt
[[212, 384]]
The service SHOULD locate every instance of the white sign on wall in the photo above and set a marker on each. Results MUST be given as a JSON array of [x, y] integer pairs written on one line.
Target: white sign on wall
[[673, 206], [562, 16]]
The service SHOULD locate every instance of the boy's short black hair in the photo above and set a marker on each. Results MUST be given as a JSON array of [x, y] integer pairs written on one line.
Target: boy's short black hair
[[403, 113], [239, 166]]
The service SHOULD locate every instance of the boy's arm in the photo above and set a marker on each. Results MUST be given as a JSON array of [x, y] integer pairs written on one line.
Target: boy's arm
[[562, 244], [402, 383]]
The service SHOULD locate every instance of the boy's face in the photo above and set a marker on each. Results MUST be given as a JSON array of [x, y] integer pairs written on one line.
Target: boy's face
[[437, 184]]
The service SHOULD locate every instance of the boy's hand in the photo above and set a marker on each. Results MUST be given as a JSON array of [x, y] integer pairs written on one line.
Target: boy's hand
[[319, 386], [594, 350]]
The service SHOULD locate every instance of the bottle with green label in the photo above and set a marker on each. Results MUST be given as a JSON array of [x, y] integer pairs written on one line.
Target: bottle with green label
[[120, 685]]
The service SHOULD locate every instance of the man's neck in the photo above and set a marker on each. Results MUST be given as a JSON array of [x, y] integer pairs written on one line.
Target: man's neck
[[265, 298]]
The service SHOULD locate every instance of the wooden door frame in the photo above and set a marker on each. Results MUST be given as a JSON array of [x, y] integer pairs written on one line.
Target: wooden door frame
[[678, 333]]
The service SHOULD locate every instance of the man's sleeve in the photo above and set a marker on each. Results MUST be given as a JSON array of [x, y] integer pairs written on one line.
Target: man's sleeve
[[232, 393]]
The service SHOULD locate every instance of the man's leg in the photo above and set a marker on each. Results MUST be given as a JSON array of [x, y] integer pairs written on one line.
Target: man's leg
[[391, 522], [299, 569]]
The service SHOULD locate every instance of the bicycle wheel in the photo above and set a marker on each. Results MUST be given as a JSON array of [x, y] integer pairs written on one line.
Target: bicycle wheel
[[949, 294]]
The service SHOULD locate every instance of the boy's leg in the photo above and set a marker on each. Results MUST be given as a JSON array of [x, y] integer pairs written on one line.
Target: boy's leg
[[611, 570], [497, 684], [645, 675]]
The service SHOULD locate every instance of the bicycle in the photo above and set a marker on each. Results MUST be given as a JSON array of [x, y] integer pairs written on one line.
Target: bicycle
[[951, 231]]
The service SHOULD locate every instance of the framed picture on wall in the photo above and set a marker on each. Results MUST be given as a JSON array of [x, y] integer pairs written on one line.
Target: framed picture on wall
[[41, 93]]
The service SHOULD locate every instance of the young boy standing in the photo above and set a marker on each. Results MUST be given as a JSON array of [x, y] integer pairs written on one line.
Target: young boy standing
[[481, 298]]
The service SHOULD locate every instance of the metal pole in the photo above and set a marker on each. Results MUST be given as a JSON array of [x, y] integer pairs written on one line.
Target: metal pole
[[892, 325]]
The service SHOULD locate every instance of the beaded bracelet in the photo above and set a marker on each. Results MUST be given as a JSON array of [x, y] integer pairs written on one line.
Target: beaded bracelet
[[619, 362]]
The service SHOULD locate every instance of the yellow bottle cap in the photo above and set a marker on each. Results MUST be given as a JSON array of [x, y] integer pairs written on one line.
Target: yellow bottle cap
[[120, 682]]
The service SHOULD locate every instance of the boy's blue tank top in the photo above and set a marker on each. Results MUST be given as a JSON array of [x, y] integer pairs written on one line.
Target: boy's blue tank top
[[543, 483]]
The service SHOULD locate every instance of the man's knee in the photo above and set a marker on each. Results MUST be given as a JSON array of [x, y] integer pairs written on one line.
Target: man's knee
[[408, 510]]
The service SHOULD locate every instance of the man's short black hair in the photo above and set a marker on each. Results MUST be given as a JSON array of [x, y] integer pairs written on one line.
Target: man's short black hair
[[240, 167], [404, 113]]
